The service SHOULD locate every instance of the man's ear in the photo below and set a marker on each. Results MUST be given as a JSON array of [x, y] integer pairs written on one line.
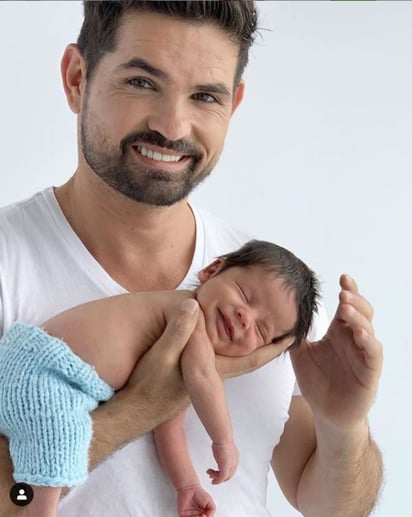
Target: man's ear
[[73, 71], [238, 96], [210, 270]]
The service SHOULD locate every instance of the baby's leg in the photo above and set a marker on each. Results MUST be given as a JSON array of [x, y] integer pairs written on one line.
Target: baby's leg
[[46, 394], [45, 501]]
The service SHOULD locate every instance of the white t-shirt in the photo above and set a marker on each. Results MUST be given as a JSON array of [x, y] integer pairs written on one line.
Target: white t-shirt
[[45, 269]]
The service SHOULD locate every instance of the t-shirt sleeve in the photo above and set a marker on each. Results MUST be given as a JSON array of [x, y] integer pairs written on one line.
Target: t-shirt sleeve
[[317, 331]]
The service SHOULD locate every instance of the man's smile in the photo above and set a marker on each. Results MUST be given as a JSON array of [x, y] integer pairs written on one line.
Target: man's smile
[[155, 155], [160, 158]]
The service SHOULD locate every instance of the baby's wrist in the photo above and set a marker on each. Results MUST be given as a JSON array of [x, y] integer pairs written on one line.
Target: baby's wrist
[[190, 486], [223, 445]]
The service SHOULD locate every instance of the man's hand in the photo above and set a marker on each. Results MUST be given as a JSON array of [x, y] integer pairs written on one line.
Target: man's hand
[[339, 470], [155, 391], [339, 374], [234, 366], [157, 376]]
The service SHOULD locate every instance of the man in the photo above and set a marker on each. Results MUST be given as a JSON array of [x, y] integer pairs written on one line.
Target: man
[[154, 85]]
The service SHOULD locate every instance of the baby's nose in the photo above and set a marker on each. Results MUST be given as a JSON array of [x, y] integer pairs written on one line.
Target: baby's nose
[[244, 317]]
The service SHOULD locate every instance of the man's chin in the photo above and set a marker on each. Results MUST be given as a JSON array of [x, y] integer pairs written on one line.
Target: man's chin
[[157, 199]]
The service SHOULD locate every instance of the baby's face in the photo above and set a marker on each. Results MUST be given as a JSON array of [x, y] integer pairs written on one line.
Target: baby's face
[[246, 308]]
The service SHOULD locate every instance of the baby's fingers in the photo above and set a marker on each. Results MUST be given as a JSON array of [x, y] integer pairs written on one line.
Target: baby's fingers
[[216, 476]]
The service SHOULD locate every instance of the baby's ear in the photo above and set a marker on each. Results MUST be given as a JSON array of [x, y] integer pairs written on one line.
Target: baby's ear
[[210, 270]]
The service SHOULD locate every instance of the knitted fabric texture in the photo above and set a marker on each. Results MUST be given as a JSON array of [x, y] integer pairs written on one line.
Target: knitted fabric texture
[[46, 394]]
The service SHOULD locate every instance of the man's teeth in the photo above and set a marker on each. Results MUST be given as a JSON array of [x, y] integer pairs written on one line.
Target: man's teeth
[[154, 155]]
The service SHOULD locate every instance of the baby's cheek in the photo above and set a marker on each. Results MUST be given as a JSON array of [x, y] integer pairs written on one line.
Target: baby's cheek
[[249, 346]]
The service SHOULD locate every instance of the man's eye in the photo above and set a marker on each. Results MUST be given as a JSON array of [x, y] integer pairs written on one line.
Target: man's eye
[[140, 82], [205, 97]]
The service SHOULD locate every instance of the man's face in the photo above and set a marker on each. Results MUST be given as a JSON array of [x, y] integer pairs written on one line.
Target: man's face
[[245, 308], [156, 110]]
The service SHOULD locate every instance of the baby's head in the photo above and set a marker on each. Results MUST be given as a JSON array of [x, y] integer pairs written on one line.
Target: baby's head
[[259, 294]]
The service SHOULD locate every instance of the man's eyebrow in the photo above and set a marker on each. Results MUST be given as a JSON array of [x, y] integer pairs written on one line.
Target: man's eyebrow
[[144, 65], [219, 88]]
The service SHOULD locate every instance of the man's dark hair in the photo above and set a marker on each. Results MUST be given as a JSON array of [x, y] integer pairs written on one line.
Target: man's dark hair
[[294, 272], [102, 19]]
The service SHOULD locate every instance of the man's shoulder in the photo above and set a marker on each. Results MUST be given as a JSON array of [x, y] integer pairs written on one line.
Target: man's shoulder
[[23, 221], [22, 212]]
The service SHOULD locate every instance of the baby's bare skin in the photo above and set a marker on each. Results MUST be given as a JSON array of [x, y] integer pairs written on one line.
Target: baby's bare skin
[[113, 333]]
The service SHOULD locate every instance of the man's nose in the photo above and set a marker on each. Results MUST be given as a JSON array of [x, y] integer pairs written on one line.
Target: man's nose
[[170, 118]]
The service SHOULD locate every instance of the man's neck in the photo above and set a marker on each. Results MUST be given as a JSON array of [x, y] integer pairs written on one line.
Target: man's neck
[[140, 246]]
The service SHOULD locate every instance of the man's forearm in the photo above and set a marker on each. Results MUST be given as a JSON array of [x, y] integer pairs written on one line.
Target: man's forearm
[[125, 417], [117, 423], [343, 476]]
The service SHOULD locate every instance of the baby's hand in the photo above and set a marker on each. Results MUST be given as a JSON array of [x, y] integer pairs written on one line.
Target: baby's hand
[[193, 501], [227, 459]]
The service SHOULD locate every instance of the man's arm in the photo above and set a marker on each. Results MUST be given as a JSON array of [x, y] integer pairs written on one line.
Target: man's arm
[[326, 462], [155, 392], [340, 478]]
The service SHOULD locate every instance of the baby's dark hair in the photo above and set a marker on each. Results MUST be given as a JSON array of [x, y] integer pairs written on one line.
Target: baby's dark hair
[[295, 273]]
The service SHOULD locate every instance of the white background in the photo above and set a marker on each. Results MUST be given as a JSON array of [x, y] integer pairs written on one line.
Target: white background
[[318, 158]]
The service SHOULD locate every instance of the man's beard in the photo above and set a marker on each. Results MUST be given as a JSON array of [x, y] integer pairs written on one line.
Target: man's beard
[[118, 168]]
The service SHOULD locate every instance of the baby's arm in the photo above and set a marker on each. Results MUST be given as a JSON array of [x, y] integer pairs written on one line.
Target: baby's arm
[[208, 398], [173, 453]]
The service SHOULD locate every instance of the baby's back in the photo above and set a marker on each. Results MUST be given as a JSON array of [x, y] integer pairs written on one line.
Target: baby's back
[[113, 333]]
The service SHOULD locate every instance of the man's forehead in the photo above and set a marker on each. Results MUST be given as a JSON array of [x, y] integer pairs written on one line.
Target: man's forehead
[[167, 41]]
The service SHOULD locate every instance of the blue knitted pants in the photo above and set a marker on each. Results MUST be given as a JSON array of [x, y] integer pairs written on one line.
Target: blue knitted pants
[[46, 394]]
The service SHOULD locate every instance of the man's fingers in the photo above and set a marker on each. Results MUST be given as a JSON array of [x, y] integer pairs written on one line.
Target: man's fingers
[[157, 374], [348, 283], [371, 348], [354, 319], [263, 355], [234, 366], [350, 294], [178, 331]]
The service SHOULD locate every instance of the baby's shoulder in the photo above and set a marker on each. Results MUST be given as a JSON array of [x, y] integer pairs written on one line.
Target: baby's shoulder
[[170, 301], [159, 306]]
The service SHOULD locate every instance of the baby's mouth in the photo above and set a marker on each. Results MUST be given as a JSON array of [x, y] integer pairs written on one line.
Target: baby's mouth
[[228, 326]]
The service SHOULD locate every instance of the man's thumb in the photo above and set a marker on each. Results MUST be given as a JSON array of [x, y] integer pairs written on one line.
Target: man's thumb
[[179, 328]]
